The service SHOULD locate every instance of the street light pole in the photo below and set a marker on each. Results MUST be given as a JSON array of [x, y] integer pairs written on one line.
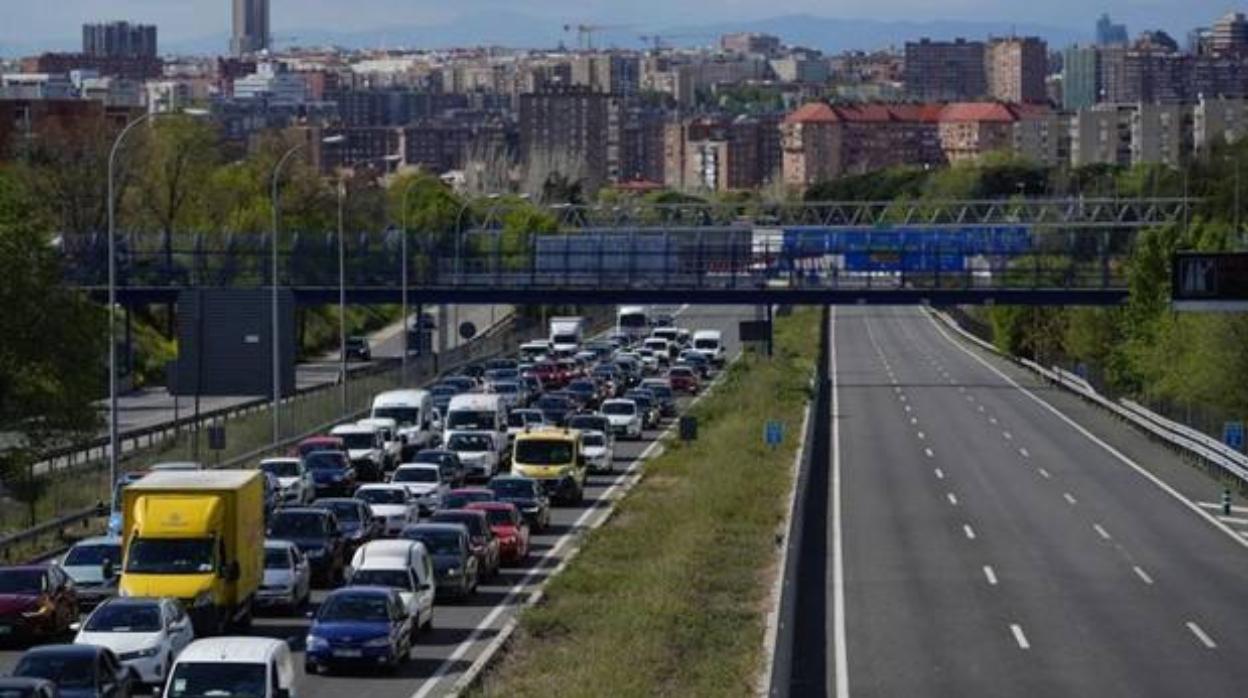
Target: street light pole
[[275, 328], [342, 293]]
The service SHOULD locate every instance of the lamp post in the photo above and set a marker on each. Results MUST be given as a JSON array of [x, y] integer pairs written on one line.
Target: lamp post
[[114, 444], [276, 328]]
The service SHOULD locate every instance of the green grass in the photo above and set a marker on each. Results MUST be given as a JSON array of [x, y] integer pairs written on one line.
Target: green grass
[[669, 597]]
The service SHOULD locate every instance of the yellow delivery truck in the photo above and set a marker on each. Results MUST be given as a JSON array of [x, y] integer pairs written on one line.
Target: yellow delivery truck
[[197, 536]]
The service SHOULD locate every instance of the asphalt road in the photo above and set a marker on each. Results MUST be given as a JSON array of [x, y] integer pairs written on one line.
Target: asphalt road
[[463, 630], [990, 547]]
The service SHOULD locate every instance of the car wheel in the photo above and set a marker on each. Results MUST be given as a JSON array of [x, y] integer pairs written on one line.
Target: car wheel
[[311, 669]]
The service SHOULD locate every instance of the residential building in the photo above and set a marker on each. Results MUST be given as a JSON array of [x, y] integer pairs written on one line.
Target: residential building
[[165, 96], [120, 66], [945, 71], [1016, 68], [119, 39], [811, 140], [252, 32], [273, 82], [21, 119], [822, 142], [1043, 138], [573, 130], [1218, 121], [641, 141], [750, 43], [612, 72], [970, 130], [1108, 33], [447, 144], [1081, 77], [31, 86], [1101, 135], [1229, 35], [801, 68], [1161, 134]]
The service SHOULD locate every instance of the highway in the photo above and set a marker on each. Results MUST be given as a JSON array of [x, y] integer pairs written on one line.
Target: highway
[[999, 538], [463, 630]]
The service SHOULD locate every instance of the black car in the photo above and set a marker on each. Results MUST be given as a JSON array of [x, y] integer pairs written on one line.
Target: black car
[[527, 495], [454, 474], [358, 348], [317, 534], [647, 403], [480, 537], [555, 408], [27, 688], [454, 564], [79, 671], [355, 520], [587, 391], [666, 398]]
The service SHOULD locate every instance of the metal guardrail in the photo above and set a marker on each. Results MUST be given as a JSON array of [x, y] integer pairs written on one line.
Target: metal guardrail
[[504, 336], [1217, 458]]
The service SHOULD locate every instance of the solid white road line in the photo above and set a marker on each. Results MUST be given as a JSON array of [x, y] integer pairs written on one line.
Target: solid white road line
[[1024, 453], [1119, 455], [907, 407], [1218, 507], [1008, 436], [940, 474], [1045, 474], [1202, 636], [921, 436], [992, 576], [928, 452], [953, 498], [1100, 531], [1069, 498], [838, 558], [914, 420], [1233, 520], [992, 420], [1142, 575], [1019, 637], [970, 532]]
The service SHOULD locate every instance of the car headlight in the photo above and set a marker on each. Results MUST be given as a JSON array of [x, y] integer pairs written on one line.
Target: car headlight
[[378, 642], [313, 642], [146, 652], [316, 553], [44, 609], [453, 572]]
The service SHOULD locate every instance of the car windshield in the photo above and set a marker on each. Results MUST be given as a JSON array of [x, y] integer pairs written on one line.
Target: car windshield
[[468, 520], [506, 388], [619, 408], [360, 441], [324, 461], [593, 440], [358, 607], [661, 391], [346, 511], [276, 559], [512, 488], [403, 416], [521, 418], [92, 554], [125, 618], [444, 391], [21, 581], [437, 542], [543, 452], [469, 443], [399, 579], [382, 496], [171, 556], [553, 402], [66, 671], [681, 373], [298, 524], [469, 419], [218, 680], [415, 475], [281, 468], [705, 344], [499, 517], [318, 446]]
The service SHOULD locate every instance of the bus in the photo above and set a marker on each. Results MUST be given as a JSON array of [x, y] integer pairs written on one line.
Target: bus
[[633, 320]]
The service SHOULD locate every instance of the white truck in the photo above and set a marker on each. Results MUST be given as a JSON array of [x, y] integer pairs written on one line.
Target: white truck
[[567, 333]]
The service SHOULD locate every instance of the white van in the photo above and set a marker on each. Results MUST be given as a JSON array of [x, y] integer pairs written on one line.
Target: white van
[[365, 448], [474, 412], [661, 346], [535, 350], [710, 343], [233, 666], [413, 411], [404, 565]]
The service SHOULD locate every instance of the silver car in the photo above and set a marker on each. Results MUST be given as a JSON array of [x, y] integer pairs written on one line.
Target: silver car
[[287, 577], [94, 564]]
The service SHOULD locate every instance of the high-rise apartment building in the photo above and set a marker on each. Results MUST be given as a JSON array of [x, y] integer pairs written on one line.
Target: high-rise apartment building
[[1081, 77], [1229, 36], [252, 32], [119, 40], [750, 42], [945, 71], [573, 131], [1016, 69], [1108, 33]]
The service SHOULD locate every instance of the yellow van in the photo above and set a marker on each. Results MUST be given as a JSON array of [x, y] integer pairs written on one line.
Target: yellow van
[[552, 456]]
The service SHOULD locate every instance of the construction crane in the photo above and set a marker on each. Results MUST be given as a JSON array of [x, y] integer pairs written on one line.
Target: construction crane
[[585, 32], [659, 41]]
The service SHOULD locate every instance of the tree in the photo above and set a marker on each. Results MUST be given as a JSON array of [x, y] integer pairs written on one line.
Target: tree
[[50, 372], [178, 158], [66, 168]]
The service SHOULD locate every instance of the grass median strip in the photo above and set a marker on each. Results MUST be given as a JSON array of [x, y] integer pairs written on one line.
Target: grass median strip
[[669, 598]]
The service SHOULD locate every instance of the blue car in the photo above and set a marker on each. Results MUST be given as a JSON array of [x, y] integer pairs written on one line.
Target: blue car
[[359, 627], [332, 473]]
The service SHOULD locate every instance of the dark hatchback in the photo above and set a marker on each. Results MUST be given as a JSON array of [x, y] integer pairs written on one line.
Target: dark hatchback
[[555, 408], [480, 538], [527, 495], [454, 564], [331, 472], [316, 533], [37, 603], [355, 520]]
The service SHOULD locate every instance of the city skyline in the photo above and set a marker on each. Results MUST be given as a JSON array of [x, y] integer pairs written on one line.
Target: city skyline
[[195, 24]]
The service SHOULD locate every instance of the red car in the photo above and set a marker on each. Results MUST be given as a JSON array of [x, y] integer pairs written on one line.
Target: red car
[[461, 497], [37, 603], [684, 379], [549, 374], [319, 443], [509, 528]]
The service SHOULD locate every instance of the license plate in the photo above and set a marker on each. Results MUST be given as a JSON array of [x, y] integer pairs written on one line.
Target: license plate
[[348, 654], [5, 630]]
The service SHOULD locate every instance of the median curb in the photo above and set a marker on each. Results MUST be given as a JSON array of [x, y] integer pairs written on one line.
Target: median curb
[[631, 478]]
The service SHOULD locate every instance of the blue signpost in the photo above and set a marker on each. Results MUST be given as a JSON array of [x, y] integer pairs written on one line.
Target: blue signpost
[[773, 433], [1233, 435]]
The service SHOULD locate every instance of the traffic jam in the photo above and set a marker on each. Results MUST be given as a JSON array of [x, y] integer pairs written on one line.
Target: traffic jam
[[363, 531]]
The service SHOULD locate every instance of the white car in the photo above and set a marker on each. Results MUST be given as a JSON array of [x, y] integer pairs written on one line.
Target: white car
[[257, 667], [624, 416], [146, 634], [403, 565], [365, 448], [598, 452], [519, 420], [391, 442], [296, 481], [424, 482], [287, 576], [478, 451], [393, 504]]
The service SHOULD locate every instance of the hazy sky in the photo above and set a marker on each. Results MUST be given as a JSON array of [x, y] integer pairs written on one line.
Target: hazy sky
[[29, 22]]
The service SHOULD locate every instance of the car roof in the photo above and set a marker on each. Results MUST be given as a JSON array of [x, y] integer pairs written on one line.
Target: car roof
[[278, 544], [232, 649], [281, 459], [372, 486], [132, 601], [432, 526], [354, 429], [490, 506], [420, 466], [399, 398], [98, 540], [362, 589], [65, 650], [472, 490], [302, 510]]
